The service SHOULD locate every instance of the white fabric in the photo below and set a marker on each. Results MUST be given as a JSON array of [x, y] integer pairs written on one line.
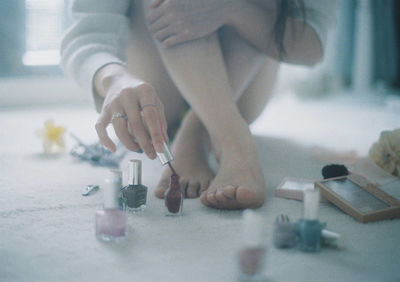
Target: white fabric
[[47, 227]]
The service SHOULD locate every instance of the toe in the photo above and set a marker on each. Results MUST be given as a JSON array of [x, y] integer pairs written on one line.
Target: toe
[[229, 192], [225, 202], [159, 193], [162, 186], [203, 186], [212, 199], [203, 199], [248, 198], [191, 191], [221, 198], [184, 185]]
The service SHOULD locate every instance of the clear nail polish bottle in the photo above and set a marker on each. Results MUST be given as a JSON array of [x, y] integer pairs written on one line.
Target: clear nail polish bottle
[[111, 222], [252, 254], [309, 226], [285, 234], [174, 197], [134, 195]]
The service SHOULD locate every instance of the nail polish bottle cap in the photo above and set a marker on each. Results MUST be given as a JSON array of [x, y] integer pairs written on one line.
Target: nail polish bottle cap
[[112, 189], [166, 156], [135, 172], [252, 229], [311, 204], [332, 238]]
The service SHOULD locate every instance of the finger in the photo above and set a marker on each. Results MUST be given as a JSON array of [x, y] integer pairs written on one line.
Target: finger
[[156, 3], [151, 117], [164, 123], [159, 24], [121, 129], [101, 129], [163, 34], [175, 39], [154, 15], [137, 128]]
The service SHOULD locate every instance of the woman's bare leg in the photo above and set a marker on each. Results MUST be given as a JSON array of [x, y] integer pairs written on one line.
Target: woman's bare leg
[[252, 77], [144, 61], [188, 133], [198, 70]]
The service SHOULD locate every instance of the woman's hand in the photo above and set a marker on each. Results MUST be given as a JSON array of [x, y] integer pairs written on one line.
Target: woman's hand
[[172, 22], [133, 108]]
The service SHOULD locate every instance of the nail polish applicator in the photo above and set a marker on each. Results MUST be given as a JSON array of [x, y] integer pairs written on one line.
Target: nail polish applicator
[[166, 158]]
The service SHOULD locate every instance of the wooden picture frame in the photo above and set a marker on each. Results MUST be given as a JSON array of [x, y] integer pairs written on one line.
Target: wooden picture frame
[[359, 198]]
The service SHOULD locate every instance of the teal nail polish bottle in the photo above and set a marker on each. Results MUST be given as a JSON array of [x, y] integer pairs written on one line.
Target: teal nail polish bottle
[[309, 227]]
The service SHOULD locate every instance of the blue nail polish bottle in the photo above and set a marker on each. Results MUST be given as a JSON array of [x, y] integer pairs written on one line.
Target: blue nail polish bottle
[[309, 227]]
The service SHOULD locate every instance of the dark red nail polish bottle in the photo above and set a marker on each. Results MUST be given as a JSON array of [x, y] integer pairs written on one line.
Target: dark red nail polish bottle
[[174, 197]]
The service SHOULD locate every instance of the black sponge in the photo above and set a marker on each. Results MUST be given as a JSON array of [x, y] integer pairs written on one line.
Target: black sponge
[[334, 170]]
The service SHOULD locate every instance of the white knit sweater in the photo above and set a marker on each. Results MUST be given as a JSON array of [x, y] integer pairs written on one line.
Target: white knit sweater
[[100, 32]]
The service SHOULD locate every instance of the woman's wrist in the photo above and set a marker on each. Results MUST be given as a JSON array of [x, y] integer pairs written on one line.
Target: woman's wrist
[[106, 76]]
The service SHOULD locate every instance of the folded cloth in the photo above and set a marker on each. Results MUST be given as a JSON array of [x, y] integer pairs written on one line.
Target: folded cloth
[[386, 151]]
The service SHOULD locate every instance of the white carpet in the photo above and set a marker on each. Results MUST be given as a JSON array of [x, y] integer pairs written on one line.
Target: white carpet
[[47, 227]]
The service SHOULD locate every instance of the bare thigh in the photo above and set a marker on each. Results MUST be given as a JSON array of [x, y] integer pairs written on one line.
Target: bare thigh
[[145, 62], [251, 74]]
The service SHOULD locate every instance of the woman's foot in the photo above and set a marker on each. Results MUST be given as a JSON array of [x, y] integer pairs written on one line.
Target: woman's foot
[[239, 182], [190, 160]]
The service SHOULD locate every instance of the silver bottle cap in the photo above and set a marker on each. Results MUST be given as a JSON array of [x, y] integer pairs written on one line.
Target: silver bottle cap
[[135, 172], [166, 156]]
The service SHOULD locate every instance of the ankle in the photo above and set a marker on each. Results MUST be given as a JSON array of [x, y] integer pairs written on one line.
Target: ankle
[[232, 134]]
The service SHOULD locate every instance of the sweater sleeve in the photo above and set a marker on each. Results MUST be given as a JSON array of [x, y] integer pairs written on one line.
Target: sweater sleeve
[[98, 36], [320, 16]]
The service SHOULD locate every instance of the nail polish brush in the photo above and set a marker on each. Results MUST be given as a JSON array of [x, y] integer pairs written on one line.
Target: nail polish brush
[[166, 158]]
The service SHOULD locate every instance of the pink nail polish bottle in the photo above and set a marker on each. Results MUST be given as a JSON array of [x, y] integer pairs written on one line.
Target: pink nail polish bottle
[[111, 222], [252, 254]]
